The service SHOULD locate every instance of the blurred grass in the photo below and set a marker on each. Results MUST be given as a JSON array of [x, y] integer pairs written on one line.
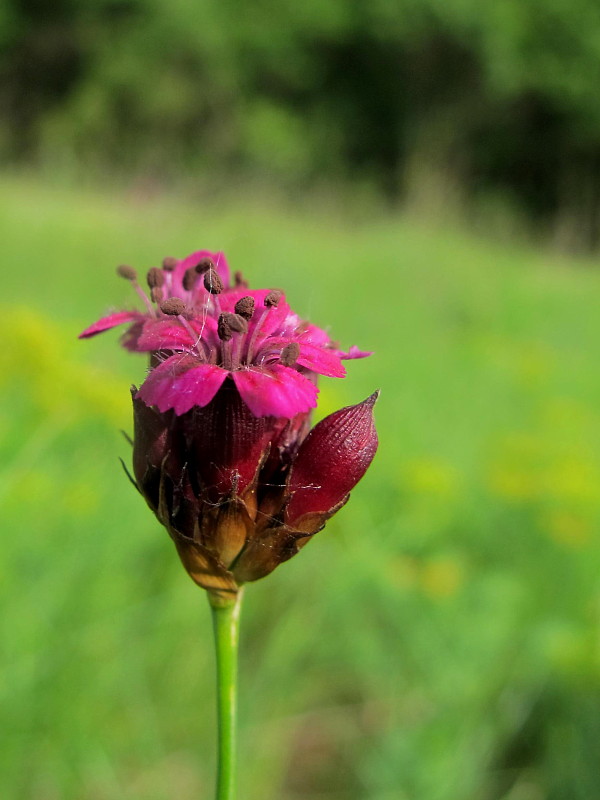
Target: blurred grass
[[438, 641]]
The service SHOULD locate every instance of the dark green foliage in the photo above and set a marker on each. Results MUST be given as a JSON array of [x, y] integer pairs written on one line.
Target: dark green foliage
[[491, 97]]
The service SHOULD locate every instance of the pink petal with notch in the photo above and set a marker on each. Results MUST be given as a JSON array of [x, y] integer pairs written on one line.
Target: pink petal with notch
[[111, 321], [275, 391], [181, 383]]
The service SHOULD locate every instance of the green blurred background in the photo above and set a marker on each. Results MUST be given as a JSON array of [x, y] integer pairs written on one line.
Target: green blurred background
[[422, 177]]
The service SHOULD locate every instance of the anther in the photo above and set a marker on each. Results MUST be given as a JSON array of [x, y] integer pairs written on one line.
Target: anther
[[245, 307], [157, 295], [155, 277], [289, 354], [229, 324], [240, 281], [273, 298], [189, 279], [127, 272], [169, 263], [212, 282], [173, 307], [204, 265]]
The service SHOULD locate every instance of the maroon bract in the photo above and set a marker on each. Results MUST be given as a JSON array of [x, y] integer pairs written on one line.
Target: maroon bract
[[222, 450]]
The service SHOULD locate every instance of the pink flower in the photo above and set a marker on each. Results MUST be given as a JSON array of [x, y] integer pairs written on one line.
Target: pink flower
[[200, 331], [223, 452]]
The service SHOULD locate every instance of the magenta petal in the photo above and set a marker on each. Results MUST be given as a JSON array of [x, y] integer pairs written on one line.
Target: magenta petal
[[316, 358], [275, 391], [270, 320], [129, 339], [321, 360], [354, 352], [163, 334], [181, 383], [111, 321], [311, 334], [331, 460]]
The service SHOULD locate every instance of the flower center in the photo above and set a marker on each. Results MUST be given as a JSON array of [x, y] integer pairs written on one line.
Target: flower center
[[239, 340]]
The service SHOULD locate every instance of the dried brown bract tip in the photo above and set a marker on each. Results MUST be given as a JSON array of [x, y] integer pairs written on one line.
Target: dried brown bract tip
[[273, 298], [157, 295], [173, 307], [240, 281], [229, 324], [204, 265], [127, 272], [169, 263], [189, 279], [212, 282], [289, 354], [245, 307], [155, 277]]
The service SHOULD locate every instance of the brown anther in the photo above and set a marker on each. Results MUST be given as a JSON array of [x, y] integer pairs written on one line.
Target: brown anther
[[127, 272], [169, 263], [245, 307], [273, 298], [229, 324], [289, 354], [237, 323], [173, 306], [204, 265], [223, 330], [155, 277], [189, 279], [212, 282], [240, 281], [157, 295]]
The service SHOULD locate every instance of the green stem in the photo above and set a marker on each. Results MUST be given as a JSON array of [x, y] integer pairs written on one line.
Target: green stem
[[226, 617]]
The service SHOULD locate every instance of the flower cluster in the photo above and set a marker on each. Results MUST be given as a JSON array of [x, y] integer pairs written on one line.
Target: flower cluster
[[223, 452]]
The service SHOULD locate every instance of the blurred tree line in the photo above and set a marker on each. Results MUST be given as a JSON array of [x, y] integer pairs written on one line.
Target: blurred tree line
[[463, 99]]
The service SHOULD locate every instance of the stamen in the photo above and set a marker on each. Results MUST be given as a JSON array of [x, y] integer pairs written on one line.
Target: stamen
[[127, 272], [189, 279], [270, 301], [204, 265], [240, 281], [237, 323], [212, 282], [169, 263], [255, 334], [273, 298], [289, 354], [245, 307], [157, 295], [173, 307], [229, 324], [155, 277]]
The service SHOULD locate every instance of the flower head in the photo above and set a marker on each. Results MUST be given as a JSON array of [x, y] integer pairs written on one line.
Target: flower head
[[202, 331], [223, 452]]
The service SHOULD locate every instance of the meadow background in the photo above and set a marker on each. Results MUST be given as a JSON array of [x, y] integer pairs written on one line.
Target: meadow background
[[423, 181]]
